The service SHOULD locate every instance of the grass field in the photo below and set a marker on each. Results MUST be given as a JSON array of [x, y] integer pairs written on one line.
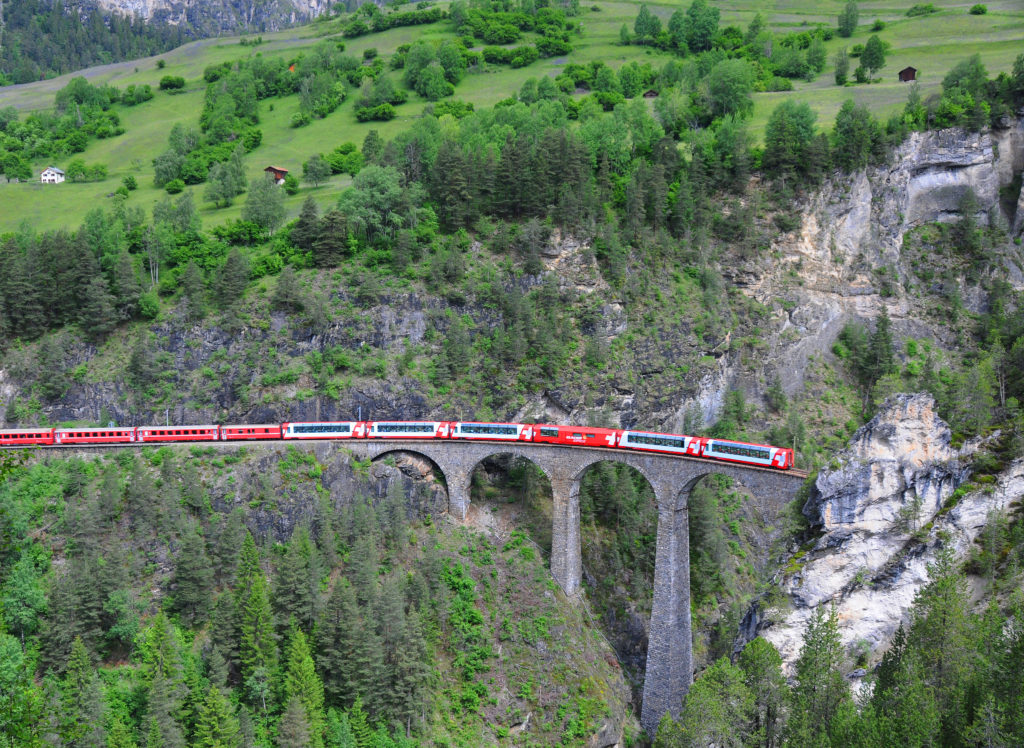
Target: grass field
[[932, 43]]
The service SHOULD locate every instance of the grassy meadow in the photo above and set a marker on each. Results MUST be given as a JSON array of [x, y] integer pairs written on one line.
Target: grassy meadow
[[931, 43]]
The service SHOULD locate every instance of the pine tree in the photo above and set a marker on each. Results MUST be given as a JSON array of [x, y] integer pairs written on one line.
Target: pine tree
[[339, 731], [120, 735], [126, 287], [762, 671], [717, 708], [411, 673], [232, 279], [296, 582], [98, 314], [293, 729], [162, 728], [940, 633], [373, 145], [193, 290], [82, 701], [338, 626], [873, 56], [193, 580], [359, 722], [331, 244], [820, 690], [217, 726], [302, 682], [257, 646], [848, 19], [307, 228], [287, 292]]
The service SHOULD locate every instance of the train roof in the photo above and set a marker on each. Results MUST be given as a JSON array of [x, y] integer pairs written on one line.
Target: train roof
[[251, 426], [41, 429], [94, 428]]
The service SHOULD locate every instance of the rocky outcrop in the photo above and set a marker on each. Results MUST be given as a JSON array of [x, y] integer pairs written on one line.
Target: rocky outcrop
[[847, 259], [212, 17], [883, 507]]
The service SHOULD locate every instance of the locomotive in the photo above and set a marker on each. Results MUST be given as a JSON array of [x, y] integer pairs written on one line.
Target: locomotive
[[725, 450]]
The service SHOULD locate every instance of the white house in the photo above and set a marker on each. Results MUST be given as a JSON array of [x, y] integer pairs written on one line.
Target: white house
[[52, 175]]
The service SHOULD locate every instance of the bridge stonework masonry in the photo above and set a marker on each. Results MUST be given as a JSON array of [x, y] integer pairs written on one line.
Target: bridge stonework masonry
[[669, 670]]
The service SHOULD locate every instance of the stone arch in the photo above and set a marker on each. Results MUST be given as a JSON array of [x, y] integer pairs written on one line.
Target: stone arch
[[511, 448], [528, 502]]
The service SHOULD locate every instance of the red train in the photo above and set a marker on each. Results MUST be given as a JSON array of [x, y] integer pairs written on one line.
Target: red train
[[576, 436]]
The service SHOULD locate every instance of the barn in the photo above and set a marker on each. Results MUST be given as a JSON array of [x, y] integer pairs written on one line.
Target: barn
[[277, 173], [908, 74]]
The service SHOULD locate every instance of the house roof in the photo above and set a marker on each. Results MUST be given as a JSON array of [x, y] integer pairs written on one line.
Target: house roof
[[908, 67], [276, 168], [52, 168]]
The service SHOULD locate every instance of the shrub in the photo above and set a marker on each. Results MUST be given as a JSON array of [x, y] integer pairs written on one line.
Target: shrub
[[381, 113], [978, 10], [922, 9], [161, 64], [130, 182], [369, 53], [301, 119], [174, 186], [172, 83], [291, 184], [878, 25]]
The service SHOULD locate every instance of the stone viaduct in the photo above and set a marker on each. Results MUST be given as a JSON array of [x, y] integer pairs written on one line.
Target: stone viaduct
[[670, 643]]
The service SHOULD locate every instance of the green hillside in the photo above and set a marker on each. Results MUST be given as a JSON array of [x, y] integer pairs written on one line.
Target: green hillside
[[932, 43]]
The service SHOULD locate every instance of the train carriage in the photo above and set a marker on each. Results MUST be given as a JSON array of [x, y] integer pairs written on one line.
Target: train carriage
[[26, 437], [649, 441], [243, 431], [324, 430], [407, 429], [508, 432], [110, 435], [749, 454], [207, 433], [576, 436]]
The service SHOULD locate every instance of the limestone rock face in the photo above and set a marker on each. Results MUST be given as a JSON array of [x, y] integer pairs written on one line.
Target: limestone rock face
[[883, 507], [212, 17], [902, 456]]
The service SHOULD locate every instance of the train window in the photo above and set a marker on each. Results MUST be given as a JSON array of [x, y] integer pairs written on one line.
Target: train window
[[740, 450], [591, 436], [549, 432], [577, 436]]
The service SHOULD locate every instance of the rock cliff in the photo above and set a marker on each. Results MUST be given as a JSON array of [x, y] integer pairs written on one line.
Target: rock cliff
[[883, 508], [848, 257], [213, 17]]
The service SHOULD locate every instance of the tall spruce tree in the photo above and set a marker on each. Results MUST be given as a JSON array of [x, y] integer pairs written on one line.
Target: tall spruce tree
[[762, 672], [257, 644], [217, 726], [302, 682], [820, 690], [297, 581], [193, 580], [307, 228], [98, 314], [82, 702]]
